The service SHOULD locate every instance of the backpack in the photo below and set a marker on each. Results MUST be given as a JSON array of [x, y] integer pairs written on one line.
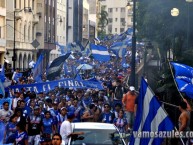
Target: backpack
[[119, 91]]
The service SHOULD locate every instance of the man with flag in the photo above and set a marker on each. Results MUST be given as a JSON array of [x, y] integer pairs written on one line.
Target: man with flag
[[150, 118]]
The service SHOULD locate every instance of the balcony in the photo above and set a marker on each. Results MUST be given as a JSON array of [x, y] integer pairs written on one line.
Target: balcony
[[36, 18], [18, 15], [2, 42]]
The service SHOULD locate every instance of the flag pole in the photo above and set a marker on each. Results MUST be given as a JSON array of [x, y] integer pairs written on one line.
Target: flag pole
[[175, 80]]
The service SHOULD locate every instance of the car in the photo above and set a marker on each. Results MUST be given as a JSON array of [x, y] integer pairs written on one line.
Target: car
[[96, 134]]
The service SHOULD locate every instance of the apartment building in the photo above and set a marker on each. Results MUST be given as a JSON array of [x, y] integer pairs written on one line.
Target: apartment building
[[2, 30], [21, 32], [119, 16]]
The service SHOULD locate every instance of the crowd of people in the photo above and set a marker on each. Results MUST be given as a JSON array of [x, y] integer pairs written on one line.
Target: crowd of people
[[35, 117], [41, 118]]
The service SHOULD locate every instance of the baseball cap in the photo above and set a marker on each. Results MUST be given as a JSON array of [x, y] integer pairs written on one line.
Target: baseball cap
[[36, 107], [132, 88], [63, 108]]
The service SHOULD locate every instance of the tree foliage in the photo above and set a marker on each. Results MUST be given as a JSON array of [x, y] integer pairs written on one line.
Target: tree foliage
[[154, 22]]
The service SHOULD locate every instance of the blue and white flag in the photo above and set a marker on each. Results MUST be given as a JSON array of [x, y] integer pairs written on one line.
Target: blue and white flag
[[184, 78], [100, 53], [61, 47], [151, 119], [2, 74], [38, 69], [2, 89], [56, 66]]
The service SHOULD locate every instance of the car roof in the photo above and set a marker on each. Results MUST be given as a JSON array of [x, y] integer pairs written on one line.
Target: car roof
[[92, 125]]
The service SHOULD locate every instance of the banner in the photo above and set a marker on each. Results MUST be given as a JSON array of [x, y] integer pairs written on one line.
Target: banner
[[66, 83]]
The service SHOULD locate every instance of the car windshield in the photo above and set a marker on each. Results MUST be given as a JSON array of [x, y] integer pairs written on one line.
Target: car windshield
[[97, 137]]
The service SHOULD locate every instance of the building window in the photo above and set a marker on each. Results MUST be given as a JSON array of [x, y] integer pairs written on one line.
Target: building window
[[2, 3], [121, 30], [29, 34], [116, 19], [122, 20], [115, 29], [19, 4], [53, 3], [132, 19], [116, 9], [32, 4], [24, 32], [110, 20], [64, 23], [122, 9], [110, 10], [0, 33], [33, 32], [29, 3]]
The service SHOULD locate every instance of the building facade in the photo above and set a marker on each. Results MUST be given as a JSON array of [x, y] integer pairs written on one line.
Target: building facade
[[2, 30], [74, 20], [21, 28], [85, 23], [46, 28], [119, 16], [60, 28]]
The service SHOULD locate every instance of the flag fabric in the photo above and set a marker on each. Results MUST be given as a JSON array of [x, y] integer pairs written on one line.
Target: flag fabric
[[100, 53], [61, 47], [150, 117], [38, 68], [184, 78], [129, 31], [2, 89], [2, 74], [56, 66]]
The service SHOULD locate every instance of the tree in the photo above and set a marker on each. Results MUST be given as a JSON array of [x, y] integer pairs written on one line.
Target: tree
[[103, 21]]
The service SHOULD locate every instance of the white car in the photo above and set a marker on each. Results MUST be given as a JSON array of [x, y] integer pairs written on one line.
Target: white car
[[96, 134]]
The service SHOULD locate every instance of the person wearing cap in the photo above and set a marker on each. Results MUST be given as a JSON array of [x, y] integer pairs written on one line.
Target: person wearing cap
[[128, 102], [61, 117], [66, 128], [33, 127]]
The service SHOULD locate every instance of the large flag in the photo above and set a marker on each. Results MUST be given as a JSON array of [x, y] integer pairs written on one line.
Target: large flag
[[2, 74], [56, 66], [184, 78], [38, 68], [100, 53], [151, 119], [2, 89], [61, 47]]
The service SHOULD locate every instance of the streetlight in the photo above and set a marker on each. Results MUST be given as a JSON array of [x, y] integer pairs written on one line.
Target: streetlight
[[188, 27], [133, 44], [14, 58], [174, 12]]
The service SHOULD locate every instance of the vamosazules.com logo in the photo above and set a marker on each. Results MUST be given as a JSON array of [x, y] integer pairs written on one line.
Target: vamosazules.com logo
[[163, 134]]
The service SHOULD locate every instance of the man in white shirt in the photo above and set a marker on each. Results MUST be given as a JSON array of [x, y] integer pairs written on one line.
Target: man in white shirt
[[66, 128], [5, 113]]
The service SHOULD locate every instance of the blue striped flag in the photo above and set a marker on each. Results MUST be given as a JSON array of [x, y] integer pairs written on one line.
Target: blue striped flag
[[150, 117], [100, 53], [38, 68], [184, 78], [56, 66], [61, 47], [2, 74]]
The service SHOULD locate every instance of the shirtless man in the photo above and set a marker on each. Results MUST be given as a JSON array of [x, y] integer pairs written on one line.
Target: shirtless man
[[184, 119]]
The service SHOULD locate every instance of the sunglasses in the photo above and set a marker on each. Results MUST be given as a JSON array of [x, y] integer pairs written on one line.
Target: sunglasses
[[106, 107], [55, 139]]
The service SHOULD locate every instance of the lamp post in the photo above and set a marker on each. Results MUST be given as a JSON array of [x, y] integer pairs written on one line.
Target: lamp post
[[14, 58], [174, 12], [133, 46]]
